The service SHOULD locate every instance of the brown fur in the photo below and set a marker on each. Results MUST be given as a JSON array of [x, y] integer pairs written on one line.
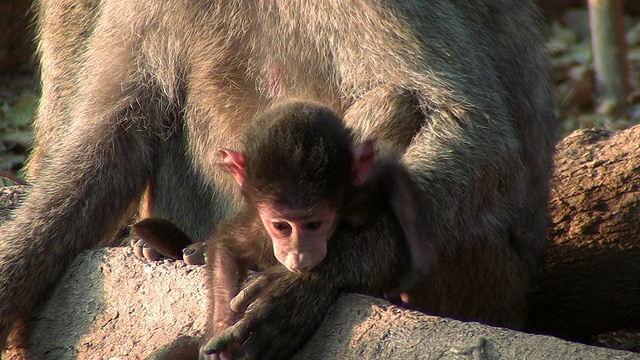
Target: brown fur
[[141, 92]]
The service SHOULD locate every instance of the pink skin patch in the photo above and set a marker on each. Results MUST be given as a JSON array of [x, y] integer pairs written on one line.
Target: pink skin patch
[[275, 72]]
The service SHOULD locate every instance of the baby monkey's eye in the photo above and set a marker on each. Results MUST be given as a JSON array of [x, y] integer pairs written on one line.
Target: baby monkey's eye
[[313, 225], [280, 225]]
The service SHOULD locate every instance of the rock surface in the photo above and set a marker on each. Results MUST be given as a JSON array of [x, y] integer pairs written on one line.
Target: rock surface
[[111, 305]]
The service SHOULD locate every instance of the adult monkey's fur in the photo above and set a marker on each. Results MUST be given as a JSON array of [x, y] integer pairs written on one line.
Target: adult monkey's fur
[[143, 92]]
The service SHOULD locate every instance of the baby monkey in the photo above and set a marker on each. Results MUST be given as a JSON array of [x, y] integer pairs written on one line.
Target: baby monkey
[[314, 203]]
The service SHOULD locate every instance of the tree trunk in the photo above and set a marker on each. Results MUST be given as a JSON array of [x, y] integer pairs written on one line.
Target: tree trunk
[[609, 54], [591, 281]]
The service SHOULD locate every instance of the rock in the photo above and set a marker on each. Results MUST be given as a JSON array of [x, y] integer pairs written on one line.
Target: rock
[[111, 305]]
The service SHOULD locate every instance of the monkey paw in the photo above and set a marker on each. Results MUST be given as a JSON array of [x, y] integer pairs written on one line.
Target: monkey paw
[[194, 254], [144, 251], [253, 286], [282, 311], [151, 238]]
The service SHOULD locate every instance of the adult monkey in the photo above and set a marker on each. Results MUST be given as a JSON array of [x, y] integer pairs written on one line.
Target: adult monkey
[[144, 92]]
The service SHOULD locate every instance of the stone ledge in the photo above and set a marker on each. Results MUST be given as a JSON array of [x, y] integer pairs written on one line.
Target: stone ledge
[[111, 305]]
